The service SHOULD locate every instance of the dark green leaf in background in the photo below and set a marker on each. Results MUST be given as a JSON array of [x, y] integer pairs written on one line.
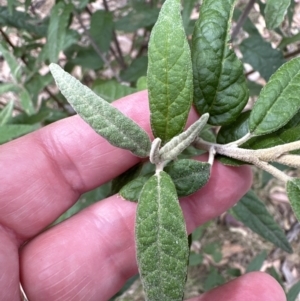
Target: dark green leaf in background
[[188, 175], [26, 102], [213, 279], [293, 192], [101, 29], [278, 101], [257, 262], [235, 130], [106, 120], [111, 90], [169, 77], [137, 69], [161, 238], [135, 19], [22, 21], [253, 213], [6, 113], [59, 18], [132, 190], [275, 11], [261, 56], [11, 131], [219, 82], [188, 6], [293, 293]]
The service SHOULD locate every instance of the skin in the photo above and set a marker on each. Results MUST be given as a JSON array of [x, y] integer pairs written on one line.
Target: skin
[[92, 254]]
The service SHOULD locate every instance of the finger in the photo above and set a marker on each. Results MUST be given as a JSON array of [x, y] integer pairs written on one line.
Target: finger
[[58, 163], [97, 245], [9, 263], [250, 287]]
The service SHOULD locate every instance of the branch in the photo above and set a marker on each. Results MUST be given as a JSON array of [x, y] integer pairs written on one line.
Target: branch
[[242, 19]]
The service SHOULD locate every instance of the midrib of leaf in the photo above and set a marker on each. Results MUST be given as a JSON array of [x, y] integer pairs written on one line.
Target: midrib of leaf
[[223, 55], [273, 104], [166, 82]]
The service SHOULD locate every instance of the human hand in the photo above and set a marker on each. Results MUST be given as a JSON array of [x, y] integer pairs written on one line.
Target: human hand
[[92, 254]]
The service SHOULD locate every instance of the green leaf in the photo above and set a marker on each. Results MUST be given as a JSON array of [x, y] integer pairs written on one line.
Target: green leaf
[[86, 200], [161, 238], [8, 87], [293, 192], [26, 102], [257, 262], [111, 90], [188, 6], [176, 145], [254, 88], [261, 56], [235, 130], [137, 69], [289, 40], [11, 131], [275, 11], [22, 21], [15, 67], [213, 279], [169, 77], [132, 190], [141, 83], [59, 18], [136, 19], [293, 293], [188, 175], [278, 101], [6, 113], [195, 259], [85, 57], [219, 82], [253, 213], [106, 120], [101, 29]]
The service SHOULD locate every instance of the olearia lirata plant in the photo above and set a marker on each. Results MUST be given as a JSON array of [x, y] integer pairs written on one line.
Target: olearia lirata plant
[[210, 75]]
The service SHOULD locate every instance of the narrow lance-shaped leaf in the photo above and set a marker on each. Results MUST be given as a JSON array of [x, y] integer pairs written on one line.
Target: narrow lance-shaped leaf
[[169, 77], [175, 147], [59, 19], [278, 101], [293, 192], [106, 120], [219, 83], [161, 238], [6, 113], [253, 213], [275, 11], [188, 175]]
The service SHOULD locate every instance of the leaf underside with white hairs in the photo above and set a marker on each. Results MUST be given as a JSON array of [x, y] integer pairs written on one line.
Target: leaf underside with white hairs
[[106, 120], [179, 143], [161, 240]]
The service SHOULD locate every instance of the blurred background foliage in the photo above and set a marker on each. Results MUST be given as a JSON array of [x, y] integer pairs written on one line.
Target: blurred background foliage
[[104, 44]]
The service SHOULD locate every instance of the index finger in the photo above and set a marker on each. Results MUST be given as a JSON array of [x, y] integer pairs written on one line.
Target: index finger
[[45, 172]]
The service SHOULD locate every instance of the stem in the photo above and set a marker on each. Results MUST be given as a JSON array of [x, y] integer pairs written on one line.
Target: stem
[[289, 160], [240, 141], [242, 19], [246, 155]]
